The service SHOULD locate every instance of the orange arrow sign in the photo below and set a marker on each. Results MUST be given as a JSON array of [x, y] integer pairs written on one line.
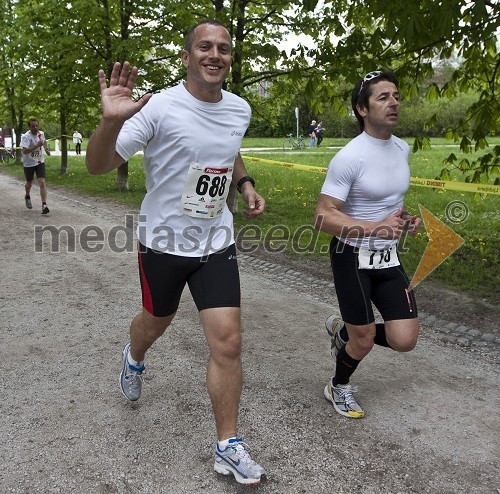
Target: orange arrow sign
[[442, 243]]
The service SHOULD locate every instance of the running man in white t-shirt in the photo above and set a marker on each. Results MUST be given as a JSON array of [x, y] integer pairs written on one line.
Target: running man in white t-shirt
[[34, 146], [185, 228], [362, 205]]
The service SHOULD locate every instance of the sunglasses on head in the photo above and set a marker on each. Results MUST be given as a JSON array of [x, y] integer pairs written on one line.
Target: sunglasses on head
[[369, 77]]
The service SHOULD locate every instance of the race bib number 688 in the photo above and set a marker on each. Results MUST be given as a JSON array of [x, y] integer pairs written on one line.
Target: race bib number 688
[[205, 191]]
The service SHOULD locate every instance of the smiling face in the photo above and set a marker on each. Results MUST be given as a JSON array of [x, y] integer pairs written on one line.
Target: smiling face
[[382, 114], [208, 62]]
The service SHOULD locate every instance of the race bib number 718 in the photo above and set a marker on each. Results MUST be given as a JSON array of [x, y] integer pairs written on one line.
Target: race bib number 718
[[378, 259]]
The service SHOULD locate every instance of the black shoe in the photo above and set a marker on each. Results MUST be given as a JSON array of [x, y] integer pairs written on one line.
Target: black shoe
[[45, 209]]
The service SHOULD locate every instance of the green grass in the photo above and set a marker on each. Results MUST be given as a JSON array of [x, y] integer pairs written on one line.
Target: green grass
[[291, 197]]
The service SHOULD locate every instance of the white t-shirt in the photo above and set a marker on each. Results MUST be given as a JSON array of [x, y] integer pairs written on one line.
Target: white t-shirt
[[182, 134], [28, 140], [77, 138], [371, 176]]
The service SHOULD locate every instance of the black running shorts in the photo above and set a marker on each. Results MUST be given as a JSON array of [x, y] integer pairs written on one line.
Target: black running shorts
[[213, 280], [388, 288], [29, 172]]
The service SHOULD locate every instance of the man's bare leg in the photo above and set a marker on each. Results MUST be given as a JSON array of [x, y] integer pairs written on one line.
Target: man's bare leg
[[145, 329], [224, 371]]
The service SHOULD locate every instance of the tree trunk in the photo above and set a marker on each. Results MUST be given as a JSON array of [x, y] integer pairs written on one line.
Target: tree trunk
[[19, 130], [122, 177], [64, 145]]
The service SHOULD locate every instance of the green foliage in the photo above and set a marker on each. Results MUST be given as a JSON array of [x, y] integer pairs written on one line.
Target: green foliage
[[433, 118], [413, 38], [439, 50]]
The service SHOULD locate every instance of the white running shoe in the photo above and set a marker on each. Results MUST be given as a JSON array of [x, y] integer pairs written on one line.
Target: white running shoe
[[343, 401], [130, 377], [334, 325], [236, 460]]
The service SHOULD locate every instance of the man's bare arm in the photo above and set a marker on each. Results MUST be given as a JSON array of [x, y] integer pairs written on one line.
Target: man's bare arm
[[329, 218], [117, 107]]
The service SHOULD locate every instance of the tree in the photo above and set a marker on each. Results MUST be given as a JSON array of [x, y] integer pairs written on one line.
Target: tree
[[410, 37], [58, 49], [338, 41], [16, 97]]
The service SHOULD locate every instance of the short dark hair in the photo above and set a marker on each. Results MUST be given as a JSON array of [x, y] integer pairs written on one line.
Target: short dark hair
[[188, 43], [363, 90], [32, 120]]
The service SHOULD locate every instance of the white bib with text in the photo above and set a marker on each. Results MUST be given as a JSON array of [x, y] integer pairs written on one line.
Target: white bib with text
[[37, 155], [205, 191], [378, 259]]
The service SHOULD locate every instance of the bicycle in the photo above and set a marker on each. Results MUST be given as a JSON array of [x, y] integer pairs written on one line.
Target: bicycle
[[7, 155], [292, 142]]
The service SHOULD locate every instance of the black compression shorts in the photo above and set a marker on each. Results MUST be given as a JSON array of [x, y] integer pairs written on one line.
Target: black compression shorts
[[388, 288], [213, 280], [29, 172]]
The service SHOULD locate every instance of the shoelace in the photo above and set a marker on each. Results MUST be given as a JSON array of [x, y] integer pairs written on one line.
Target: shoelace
[[241, 450], [346, 394], [134, 378]]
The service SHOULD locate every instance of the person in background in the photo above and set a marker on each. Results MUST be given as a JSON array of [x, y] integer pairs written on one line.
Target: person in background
[[319, 133], [312, 133], [362, 205], [77, 141], [185, 229], [34, 147]]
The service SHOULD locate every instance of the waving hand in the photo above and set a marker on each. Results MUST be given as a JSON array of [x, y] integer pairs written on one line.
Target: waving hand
[[116, 100], [117, 107]]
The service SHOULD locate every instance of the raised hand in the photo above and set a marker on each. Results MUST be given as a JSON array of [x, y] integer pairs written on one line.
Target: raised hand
[[116, 100]]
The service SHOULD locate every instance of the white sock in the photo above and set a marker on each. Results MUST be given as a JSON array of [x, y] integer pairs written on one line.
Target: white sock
[[225, 443], [133, 363]]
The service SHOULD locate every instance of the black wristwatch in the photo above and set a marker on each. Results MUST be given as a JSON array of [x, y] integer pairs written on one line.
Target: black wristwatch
[[241, 181]]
